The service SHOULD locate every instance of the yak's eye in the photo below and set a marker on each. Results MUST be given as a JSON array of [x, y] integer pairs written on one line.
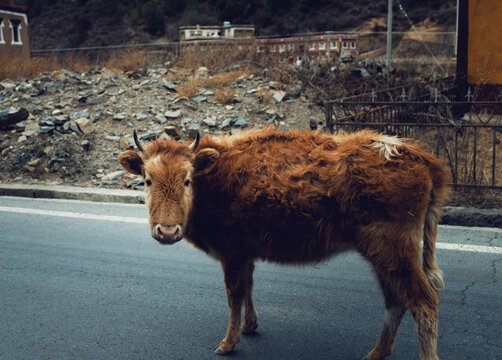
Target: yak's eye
[[187, 182], [148, 182]]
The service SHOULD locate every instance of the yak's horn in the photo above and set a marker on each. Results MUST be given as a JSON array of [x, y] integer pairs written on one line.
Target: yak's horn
[[136, 141], [195, 142]]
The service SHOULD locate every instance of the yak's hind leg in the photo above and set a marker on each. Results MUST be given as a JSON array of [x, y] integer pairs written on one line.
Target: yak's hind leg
[[406, 287], [238, 273]]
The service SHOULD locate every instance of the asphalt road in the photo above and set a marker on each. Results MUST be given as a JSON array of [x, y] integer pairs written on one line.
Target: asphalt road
[[81, 280]]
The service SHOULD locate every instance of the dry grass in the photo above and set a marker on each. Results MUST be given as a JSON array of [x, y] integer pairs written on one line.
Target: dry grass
[[122, 61], [225, 95], [220, 58], [218, 81], [18, 68], [190, 89], [128, 60]]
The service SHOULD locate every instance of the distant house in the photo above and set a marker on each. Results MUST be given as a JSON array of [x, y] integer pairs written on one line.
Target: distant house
[[209, 37], [13, 31], [310, 47]]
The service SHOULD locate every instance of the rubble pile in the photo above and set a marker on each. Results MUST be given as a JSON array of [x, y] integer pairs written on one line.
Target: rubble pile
[[78, 123]]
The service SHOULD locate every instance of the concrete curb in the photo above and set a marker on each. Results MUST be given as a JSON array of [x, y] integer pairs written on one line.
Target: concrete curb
[[451, 215], [73, 193], [465, 216]]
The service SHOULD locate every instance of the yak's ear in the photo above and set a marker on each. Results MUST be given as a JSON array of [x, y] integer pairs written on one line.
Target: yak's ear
[[131, 161], [205, 160]]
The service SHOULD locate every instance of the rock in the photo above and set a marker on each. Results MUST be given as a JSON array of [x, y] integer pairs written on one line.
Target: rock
[[112, 138], [8, 85], [185, 121], [32, 128], [141, 116], [125, 142], [209, 122], [239, 122], [86, 145], [21, 139], [191, 106], [4, 144], [60, 119], [201, 72], [95, 100], [173, 132], [12, 116], [169, 86], [278, 95], [74, 127], [225, 123], [81, 114], [113, 176], [272, 119], [150, 135], [199, 99], [172, 114], [120, 116], [33, 162], [46, 129], [206, 92], [194, 127], [160, 118], [85, 125]]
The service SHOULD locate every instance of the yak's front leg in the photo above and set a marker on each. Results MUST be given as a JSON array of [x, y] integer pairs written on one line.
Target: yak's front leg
[[250, 314], [236, 273]]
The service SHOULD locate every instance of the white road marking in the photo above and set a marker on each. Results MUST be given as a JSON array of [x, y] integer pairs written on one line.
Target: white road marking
[[469, 248], [75, 215], [135, 220]]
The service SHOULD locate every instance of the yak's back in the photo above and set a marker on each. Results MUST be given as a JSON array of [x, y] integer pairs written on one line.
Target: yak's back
[[300, 171]]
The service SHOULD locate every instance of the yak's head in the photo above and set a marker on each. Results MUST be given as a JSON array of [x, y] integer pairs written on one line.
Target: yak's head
[[169, 169]]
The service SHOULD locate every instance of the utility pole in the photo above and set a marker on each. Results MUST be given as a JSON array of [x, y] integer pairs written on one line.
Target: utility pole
[[389, 34], [456, 32]]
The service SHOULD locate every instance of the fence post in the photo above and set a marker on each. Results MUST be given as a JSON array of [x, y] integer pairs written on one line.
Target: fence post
[[474, 155], [494, 154]]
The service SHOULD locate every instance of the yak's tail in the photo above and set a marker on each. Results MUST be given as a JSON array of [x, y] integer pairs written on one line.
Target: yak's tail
[[438, 196]]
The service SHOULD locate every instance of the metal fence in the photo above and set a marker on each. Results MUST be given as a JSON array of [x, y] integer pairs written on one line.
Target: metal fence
[[465, 134]]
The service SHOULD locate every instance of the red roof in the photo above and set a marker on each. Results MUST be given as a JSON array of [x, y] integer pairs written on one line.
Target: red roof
[[6, 5]]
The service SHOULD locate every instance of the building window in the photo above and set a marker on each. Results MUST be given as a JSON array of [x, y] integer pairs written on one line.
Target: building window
[[291, 47], [2, 41], [322, 46], [203, 48], [334, 45], [261, 48], [272, 48], [311, 46], [282, 48], [344, 45], [15, 26], [353, 45]]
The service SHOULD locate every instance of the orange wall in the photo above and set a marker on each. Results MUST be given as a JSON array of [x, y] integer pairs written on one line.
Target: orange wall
[[485, 42]]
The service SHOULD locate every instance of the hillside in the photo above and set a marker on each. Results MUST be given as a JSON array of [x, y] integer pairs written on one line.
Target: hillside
[[58, 23]]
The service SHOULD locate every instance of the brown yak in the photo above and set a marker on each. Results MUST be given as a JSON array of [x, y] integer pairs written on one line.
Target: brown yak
[[301, 197]]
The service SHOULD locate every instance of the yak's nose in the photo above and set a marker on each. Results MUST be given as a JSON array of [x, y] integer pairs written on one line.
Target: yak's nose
[[167, 234]]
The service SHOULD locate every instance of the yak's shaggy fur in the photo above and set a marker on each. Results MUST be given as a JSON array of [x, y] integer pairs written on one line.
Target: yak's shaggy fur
[[301, 197]]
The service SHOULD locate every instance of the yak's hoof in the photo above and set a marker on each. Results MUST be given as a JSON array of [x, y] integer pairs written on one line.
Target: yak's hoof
[[249, 329], [220, 351]]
